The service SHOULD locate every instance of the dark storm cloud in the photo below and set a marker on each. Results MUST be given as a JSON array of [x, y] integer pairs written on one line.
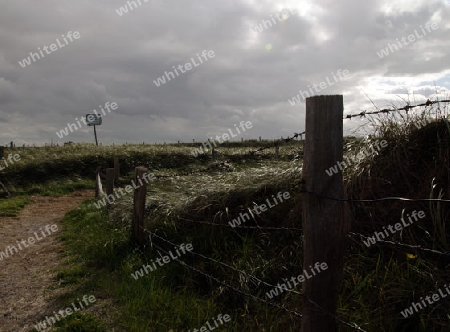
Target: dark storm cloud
[[252, 76]]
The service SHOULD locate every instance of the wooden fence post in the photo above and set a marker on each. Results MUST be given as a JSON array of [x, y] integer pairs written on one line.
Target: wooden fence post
[[116, 168], [139, 206], [110, 181], [2, 152], [325, 222]]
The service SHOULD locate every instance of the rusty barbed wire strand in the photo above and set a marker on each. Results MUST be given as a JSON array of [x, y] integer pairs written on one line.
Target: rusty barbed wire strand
[[232, 287], [243, 227], [352, 325], [228, 266], [399, 244], [376, 199], [386, 110]]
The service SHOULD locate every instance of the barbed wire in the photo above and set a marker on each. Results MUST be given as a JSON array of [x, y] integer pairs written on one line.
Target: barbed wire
[[352, 325], [399, 244], [232, 287], [360, 114], [243, 227], [376, 199], [228, 266], [386, 110], [277, 142]]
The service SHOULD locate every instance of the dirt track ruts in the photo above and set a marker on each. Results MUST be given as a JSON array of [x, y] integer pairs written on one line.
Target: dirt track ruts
[[27, 283]]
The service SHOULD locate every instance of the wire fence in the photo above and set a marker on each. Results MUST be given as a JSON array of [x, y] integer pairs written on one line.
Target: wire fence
[[232, 287], [354, 236], [406, 108], [398, 244], [262, 228], [235, 289]]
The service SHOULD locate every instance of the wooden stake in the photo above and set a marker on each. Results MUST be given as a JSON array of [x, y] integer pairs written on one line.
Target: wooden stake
[[116, 168], [109, 181], [139, 206], [325, 222]]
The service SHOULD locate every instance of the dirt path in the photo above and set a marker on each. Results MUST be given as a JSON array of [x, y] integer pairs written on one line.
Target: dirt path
[[27, 276]]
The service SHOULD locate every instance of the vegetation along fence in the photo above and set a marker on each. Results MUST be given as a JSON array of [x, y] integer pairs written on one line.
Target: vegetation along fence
[[326, 219]]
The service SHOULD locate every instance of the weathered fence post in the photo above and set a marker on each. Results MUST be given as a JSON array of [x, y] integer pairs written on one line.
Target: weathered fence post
[[110, 181], [2, 152], [325, 221], [139, 206], [116, 168]]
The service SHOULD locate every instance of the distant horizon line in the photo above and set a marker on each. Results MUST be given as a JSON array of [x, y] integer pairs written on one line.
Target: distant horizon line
[[50, 143], [54, 143]]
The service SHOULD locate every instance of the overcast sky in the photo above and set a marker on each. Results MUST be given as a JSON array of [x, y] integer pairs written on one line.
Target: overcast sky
[[251, 77]]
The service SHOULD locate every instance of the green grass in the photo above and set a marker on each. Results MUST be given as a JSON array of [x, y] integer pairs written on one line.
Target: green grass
[[10, 207]]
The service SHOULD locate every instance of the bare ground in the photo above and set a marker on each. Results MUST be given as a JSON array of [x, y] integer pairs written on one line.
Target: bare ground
[[27, 278]]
